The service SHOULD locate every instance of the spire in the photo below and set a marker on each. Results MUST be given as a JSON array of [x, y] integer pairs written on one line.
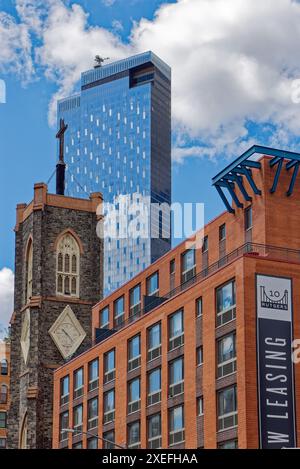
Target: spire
[[61, 165]]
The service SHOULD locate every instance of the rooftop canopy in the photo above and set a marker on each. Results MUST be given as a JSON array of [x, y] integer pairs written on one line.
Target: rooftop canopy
[[235, 174]]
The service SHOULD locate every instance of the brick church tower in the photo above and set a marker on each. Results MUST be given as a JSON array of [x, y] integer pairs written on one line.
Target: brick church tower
[[58, 277]]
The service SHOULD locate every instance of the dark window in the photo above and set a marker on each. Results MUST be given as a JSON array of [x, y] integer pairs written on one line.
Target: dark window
[[2, 443], [222, 232], [172, 266], [248, 218], [199, 355], [205, 244], [176, 330], [109, 440], [153, 285], [93, 374], [104, 317], [227, 408], [92, 443], [134, 395], [200, 407], [154, 341], [226, 300], [230, 444], [109, 406], [63, 426], [176, 377], [109, 366], [135, 301], [188, 265], [78, 418], [154, 386], [226, 355], [133, 431], [154, 431], [134, 352], [2, 419], [3, 394], [176, 425], [78, 383], [93, 413], [4, 367], [199, 307], [119, 311], [64, 390]]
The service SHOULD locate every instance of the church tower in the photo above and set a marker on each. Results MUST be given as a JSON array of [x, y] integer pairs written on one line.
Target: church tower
[[58, 278]]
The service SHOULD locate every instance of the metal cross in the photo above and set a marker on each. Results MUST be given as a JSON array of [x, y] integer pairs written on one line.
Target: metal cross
[[61, 136]]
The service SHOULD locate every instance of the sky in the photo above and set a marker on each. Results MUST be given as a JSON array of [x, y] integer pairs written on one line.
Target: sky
[[235, 82]]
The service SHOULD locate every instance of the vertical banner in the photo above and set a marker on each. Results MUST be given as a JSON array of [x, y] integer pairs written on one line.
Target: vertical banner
[[274, 362]]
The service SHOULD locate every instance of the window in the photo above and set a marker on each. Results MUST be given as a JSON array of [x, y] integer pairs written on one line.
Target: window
[[92, 443], [109, 440], [205, 244], [226, 310], [176, 379], [2, 443], [154, 341], [64, 390], [133, 432], [227, 408], [154, 386], [63, 426], [222, 232], [199, 307], [119, 311], [92, 413], [154, 431], [230, 444], [78, 418], [29, 270], [2, 419], [176, 331], [153, 285], [4, 367], [78, 383], [199, 356], [176, 425], [67, 266], [172, 274], [248, 218], [93, 374], [3, 394], [104, 318], [188, 265], [109, 406], [134, 352], [135, 301], [134, 395], [200, 406], [226, 355], [109, 366], [77, 445]]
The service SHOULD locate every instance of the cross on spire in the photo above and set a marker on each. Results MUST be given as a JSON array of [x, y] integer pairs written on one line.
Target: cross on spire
[[61, 136]]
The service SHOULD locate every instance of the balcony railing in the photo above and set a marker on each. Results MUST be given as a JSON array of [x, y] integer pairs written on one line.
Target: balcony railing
[[255, 249]]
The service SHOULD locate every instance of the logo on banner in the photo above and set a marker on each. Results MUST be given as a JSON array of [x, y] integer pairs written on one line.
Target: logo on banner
[[274, 300]]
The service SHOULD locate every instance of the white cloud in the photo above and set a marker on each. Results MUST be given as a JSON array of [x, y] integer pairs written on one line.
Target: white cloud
[[117, 25], [108, 3], [233, 63], [6, 295]]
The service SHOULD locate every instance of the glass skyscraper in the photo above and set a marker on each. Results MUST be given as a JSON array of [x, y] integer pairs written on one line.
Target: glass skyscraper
[[119, 143]]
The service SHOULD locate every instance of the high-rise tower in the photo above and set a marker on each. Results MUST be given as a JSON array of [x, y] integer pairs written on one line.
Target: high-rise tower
[[119, 143]]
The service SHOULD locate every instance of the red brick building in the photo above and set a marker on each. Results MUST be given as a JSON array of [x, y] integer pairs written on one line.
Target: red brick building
[[4, 390], [182, 371]]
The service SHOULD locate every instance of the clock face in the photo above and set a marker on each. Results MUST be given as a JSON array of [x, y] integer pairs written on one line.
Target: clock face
[[67, 332], [25, 335]]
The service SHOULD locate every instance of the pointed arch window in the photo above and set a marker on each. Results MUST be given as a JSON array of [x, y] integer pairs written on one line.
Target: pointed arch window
[[3, 394], [23, 436], [67, 266], [29, 268]]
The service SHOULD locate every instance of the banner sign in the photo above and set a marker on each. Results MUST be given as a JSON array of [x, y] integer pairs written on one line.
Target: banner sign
[[274, 362]]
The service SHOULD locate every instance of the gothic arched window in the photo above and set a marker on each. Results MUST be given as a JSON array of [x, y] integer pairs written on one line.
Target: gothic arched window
[[4, 367], [67, 266], [23, 435], [3, 394], [29, 262]]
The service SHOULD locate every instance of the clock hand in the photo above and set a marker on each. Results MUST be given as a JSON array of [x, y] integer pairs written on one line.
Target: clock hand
[[67, 335]]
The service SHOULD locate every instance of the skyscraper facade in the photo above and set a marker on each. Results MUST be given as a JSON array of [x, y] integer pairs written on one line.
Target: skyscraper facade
[[119, 143]]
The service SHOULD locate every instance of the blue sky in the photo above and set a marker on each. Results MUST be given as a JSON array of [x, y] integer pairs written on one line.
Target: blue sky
[[229, 88]]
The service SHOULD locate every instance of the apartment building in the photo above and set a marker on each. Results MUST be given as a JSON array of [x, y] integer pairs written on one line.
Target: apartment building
[[185, 354]]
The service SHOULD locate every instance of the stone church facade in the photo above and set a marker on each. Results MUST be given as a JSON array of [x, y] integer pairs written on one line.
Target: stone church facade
[[58, 278]]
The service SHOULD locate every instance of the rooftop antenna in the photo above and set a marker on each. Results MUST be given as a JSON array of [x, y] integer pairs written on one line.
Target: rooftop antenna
[[99, 61]]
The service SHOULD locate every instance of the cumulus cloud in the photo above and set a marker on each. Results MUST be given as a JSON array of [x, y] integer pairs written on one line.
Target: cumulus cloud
[[231, 68], [108, 3], [6, 296]]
